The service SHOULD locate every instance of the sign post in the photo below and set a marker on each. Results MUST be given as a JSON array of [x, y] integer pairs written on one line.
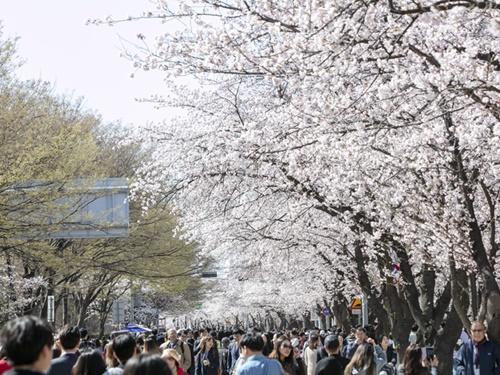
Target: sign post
[[50, 309], [118, 312], [356, 304]]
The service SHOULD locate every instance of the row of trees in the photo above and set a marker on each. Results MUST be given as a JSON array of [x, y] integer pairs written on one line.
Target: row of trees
[[46, 142], [329, 141]]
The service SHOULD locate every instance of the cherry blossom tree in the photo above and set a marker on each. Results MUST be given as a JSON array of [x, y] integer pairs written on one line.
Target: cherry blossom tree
[[18, 293], [339, 135]]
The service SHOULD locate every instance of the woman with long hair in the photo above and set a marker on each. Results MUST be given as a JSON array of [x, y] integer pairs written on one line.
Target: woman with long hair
[[310, 353], [288, 356], [368, 359], [413, 363], [207, 362], [111, 360], [151, 346], [89, 363], [268, 343]]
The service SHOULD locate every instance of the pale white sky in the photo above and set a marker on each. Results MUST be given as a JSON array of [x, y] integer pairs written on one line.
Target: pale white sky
[[85, 60]]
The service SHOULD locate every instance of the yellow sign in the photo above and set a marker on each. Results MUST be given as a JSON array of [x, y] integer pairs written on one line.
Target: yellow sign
[[356, 304]]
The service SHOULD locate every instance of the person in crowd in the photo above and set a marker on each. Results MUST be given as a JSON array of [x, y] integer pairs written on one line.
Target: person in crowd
[[234, 350], [310, 354], [69, 342], [89, 363], [342, 339], [4, 363], [288, 356], [413, 364], [268, 343], [159, 338], [27, 342], [255, 363], [214, 335], [208, 357], [139, 341], [390, 353], [367, 360], [150, 346], [56, 351], [479, 354], [183, 336], [147, 364], [86, 344], [351, 338], [463, 339], [334, 364], [180, 347], [223, 354], [196, 337], [361, 337], [190, 335], [371, 330], [202, 333], [294, 338], [98, 344], [302, 340], [412, 339], [124, 348], [172, 358], [321, 353], [110, 357]]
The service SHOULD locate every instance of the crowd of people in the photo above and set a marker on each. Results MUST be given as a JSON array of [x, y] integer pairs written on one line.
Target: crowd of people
[[29, 347]]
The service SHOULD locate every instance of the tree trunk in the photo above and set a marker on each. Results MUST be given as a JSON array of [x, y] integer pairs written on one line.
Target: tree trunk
[[306, 319], [446, 341], [342, 313], [65, 318], [491, 290]]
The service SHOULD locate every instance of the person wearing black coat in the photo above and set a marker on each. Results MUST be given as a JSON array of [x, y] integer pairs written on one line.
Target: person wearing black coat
[[207, 360], [69, 341], [27, 342], [333, 364]]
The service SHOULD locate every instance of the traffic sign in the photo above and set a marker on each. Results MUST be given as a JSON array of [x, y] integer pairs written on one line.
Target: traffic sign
[[325, 311], [356, 304], [118, 311]]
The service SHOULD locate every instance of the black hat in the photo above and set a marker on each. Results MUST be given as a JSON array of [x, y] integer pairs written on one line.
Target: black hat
[[238, 331]]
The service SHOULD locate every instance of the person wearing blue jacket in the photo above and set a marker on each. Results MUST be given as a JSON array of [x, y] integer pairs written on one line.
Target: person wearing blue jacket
[[479, 356]]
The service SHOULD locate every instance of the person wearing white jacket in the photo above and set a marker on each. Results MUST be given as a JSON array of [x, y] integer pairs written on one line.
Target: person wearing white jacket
[[310, 353]]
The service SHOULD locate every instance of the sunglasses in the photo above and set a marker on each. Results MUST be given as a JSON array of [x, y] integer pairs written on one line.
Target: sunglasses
[[285, 346], [477, 330]]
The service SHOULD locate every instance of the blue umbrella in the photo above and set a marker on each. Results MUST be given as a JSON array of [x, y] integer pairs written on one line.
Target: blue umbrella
[[135, 328]]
